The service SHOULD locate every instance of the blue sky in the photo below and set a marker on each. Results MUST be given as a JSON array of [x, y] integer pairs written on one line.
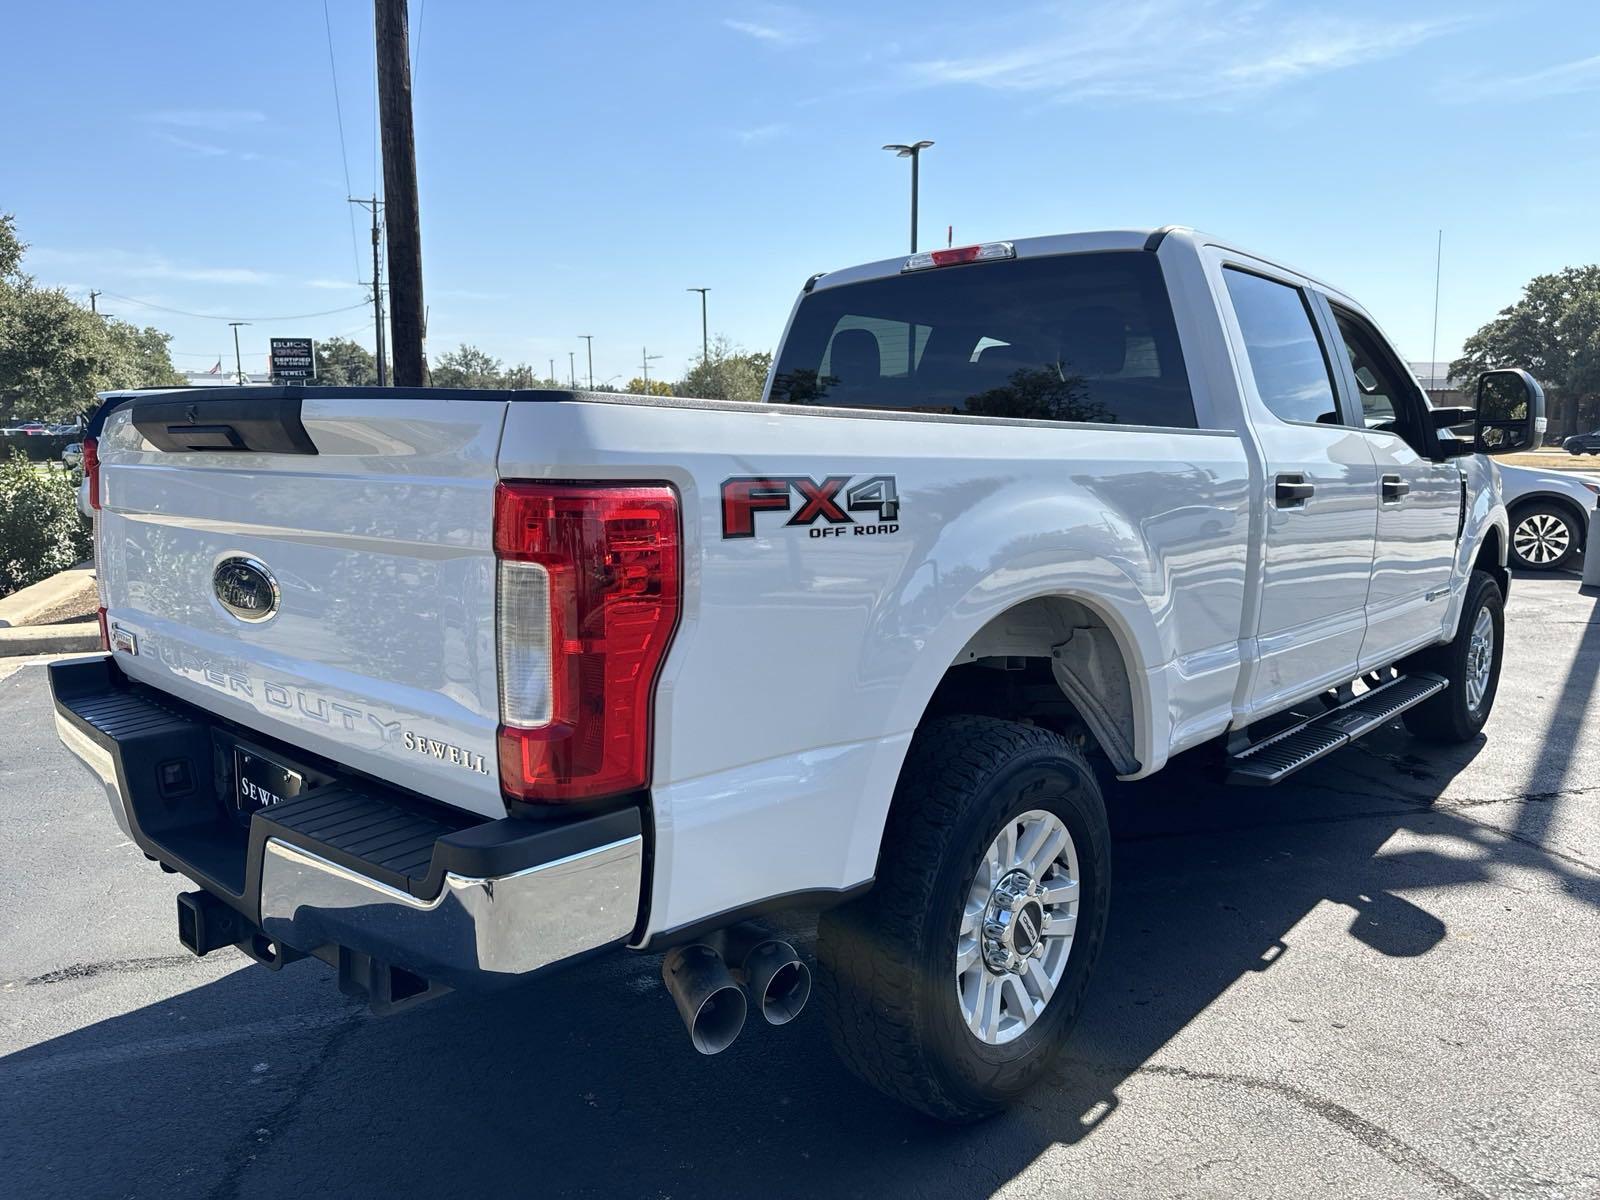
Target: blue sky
[[582, 165]]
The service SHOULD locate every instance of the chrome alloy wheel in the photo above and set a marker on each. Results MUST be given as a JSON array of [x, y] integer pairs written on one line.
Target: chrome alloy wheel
[[1017, 927], [1480, 659], [1541, 538]]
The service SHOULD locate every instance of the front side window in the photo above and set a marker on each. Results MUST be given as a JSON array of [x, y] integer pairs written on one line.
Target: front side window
[[1381, 382], [1280, 339], [1071, 337]]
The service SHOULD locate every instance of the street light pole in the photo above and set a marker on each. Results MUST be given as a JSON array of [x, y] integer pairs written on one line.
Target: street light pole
[[914, 153], [589, 338], [238, 363], [705, 339]]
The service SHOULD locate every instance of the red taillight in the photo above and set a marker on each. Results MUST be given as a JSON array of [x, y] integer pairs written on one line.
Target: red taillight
[[105, 630], [91, 470], [588, 597]]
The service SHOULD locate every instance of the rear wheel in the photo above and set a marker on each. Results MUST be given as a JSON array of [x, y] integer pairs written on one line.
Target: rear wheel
[[1470, 662], [953, 983], [1544, 537]]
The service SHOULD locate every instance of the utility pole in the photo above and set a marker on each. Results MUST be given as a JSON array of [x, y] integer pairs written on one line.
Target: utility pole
[[572, 368], [400, 191], [647, 358], [238, 363], [552, 375], [913, 152], [705, 341], [93, 295], [377, 287], [589, 338]]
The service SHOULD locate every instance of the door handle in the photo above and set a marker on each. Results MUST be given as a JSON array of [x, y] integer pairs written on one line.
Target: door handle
[[1394, 487], [1293, 490]]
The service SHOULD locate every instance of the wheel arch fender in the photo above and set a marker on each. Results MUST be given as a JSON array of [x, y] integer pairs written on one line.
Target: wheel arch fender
[[1101, 588]]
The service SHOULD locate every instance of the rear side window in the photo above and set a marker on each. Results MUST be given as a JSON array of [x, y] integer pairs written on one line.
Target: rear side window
[[1280, 339], [1072, 337]]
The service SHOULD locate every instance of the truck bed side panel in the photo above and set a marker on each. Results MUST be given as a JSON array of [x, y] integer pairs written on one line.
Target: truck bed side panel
[[808, 652]]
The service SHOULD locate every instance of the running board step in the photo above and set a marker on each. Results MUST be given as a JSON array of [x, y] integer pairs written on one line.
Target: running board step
[[1271, 759]]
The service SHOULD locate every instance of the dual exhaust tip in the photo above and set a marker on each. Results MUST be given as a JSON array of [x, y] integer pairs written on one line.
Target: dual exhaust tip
[[714, 982]]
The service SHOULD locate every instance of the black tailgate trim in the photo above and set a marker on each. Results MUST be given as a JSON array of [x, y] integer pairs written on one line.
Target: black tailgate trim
[[260, 424]]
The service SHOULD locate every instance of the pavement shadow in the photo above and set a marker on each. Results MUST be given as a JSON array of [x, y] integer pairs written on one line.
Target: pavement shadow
[[583, 1083]]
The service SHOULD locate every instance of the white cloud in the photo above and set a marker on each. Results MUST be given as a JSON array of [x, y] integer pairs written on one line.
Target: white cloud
[[1562, 79], [469, 294], [761, 133], [776, 24], [121, 264], [333, 285], [1157, 50], [217, 120]]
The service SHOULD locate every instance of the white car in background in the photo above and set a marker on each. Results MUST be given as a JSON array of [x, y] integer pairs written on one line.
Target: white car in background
[[1549, 514]]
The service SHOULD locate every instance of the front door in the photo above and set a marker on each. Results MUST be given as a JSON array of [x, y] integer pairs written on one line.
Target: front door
[[1419, 500]]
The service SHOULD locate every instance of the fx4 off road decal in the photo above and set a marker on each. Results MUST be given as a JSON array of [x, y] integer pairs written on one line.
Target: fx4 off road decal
[[833, 501]]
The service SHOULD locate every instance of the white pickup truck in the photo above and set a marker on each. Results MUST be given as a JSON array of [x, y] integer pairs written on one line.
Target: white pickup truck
[[444, 688]]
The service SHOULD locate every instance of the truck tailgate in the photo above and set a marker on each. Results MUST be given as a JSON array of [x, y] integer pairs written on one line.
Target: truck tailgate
[[370, 519]]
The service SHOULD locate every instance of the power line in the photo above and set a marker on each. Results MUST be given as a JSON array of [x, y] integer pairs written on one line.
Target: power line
[[327, 312], [344, 153], [416, 43]]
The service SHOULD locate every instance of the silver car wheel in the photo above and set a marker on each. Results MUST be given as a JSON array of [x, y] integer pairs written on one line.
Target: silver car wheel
[[1480, 660], [1541, 538], [1017, 927]]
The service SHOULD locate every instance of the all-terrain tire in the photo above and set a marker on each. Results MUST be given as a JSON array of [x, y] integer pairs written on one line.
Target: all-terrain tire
[[886, 962], [1452, 715]]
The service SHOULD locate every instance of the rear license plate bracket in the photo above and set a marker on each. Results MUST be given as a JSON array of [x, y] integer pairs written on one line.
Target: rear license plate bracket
[[260, 781]]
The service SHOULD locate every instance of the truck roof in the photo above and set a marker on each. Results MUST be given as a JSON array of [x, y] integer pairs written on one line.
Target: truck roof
[[1069, 243]]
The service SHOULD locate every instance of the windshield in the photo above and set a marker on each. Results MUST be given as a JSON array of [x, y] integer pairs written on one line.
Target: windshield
[[1073, 337]]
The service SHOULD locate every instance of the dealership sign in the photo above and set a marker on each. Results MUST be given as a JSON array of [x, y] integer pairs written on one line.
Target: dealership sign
[[292, 360]]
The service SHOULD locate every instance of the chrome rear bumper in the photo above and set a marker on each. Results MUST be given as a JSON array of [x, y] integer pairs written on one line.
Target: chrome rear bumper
[[501, 925], [474, 901]]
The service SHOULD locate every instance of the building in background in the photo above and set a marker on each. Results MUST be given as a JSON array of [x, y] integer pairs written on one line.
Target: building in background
[[1444, 391]]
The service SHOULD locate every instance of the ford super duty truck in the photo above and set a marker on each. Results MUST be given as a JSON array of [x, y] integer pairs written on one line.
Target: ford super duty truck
[[446, 687]]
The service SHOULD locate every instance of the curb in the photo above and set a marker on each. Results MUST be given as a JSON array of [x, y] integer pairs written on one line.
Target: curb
[[78, 637], [22, 607]]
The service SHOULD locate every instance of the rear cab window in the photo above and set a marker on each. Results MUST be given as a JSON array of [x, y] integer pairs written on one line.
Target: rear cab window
[[1293, 376], [1070, 337]]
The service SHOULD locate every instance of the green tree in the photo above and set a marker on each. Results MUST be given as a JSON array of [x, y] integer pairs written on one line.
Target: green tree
[[41, 530], [521, 376], [726, 373], [467, 367], [657, 387], [343, 363], [55, 354], [1554, 332]]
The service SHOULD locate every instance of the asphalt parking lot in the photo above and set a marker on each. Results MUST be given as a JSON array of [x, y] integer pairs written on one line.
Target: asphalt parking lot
[[1377, 980]]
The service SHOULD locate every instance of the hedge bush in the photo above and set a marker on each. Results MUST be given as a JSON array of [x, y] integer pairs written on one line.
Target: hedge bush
[[41, 530]]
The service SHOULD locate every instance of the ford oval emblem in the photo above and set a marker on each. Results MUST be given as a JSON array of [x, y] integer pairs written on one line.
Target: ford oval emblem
[[245, 588]]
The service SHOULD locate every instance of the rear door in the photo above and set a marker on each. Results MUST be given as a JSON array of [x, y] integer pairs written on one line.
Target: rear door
[[1419, 500], [1320, 492], [319, 570]]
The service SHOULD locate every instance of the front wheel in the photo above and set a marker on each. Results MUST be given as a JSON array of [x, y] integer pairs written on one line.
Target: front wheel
[[951, 986], [1470, 662]]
